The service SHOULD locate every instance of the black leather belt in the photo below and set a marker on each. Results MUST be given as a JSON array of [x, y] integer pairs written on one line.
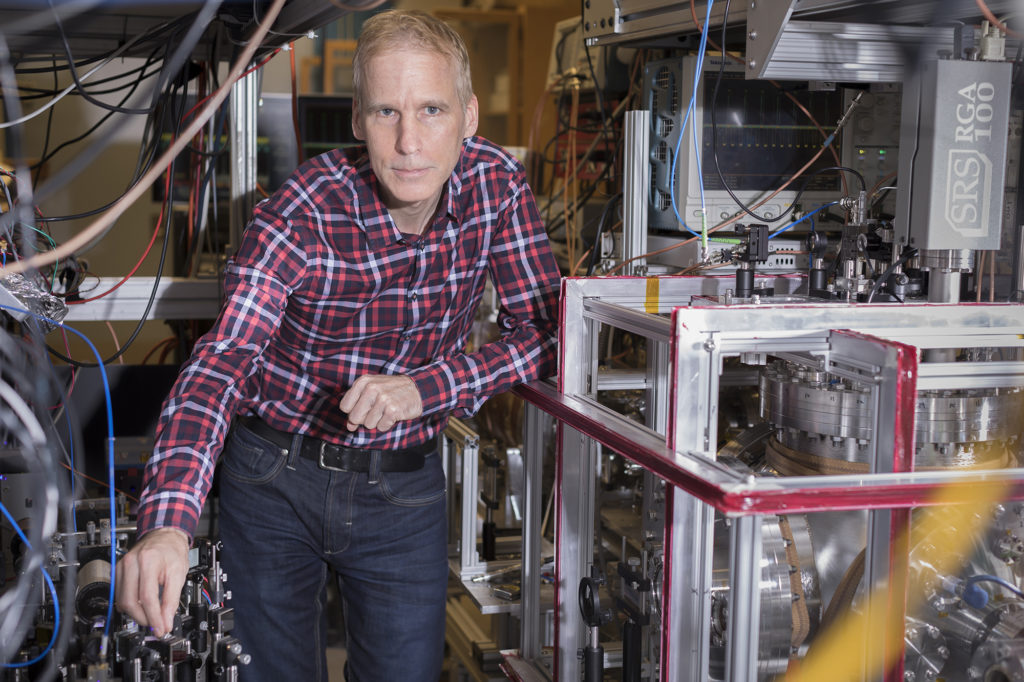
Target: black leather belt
[[339, 457]]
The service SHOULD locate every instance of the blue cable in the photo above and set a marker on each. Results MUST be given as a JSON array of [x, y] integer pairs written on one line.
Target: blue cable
[[994, 579], [71, 454], [700, 172], [808, 216], [110, 456], [53, 595], [682, 129]]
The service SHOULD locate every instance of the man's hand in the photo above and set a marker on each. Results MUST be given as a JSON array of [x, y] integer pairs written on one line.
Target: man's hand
[[377, 401], [150, 577]]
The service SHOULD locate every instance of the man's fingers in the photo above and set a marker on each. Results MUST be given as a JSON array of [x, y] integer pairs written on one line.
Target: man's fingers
[[170, 599], [153, 578], [150, 578], [380, 401], [127, 590], [352, 395]]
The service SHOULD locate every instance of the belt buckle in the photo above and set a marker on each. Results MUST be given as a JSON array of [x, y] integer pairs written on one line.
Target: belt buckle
[[320, 458]]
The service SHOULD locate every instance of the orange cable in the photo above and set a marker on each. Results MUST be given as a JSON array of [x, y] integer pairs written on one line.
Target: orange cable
[[156, 347], [881, 183], [728, 221], [117, 344], [994, 21], [810, 117], [96, 480], [586, 253]]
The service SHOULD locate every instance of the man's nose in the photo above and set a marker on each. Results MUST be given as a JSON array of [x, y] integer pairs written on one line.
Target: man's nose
[[408, 141]]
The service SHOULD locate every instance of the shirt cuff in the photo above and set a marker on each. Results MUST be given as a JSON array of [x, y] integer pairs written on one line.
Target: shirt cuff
[[434, 384]]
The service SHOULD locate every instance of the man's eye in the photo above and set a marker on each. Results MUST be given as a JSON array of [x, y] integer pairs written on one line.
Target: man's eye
[[386, 112], [433, 110]]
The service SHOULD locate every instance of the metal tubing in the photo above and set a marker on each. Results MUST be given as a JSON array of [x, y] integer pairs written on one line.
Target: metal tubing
[[242, 138], [634, 190], [1018, 273], [744, 599], [576, 480], [535, 425]]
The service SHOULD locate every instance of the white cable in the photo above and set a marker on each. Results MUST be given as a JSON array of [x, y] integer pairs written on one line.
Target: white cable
[[64, 93], [103, 222]]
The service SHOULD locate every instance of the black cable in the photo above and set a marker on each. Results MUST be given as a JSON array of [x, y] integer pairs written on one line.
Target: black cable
[[714, 144], [556, 195], [602, 221], [605, 129], [46, 139], [66, 174], [147, 154], [41, 93], [145, 315], [21, 70], [907, 254], [208, 177], [20, 398], [46, 157], [78, 83], [20, 212], [584, 197]]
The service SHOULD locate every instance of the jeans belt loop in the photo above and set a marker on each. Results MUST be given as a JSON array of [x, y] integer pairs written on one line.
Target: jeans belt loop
[[376, 457]]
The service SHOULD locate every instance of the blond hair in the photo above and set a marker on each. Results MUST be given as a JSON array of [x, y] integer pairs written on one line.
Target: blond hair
[[411, 30]]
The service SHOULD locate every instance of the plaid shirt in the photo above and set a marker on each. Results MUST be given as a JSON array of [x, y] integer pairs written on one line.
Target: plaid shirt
[[324, 288]]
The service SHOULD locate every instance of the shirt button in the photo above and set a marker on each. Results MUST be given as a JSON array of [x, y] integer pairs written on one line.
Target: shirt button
[[412, 295]]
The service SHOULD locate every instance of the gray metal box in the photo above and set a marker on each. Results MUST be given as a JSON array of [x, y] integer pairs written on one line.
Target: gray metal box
[[959, 167]]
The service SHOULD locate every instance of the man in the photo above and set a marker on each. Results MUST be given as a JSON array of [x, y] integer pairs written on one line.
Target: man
[[336, 357]]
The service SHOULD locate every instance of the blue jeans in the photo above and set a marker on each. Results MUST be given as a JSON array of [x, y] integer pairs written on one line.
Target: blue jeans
[[284, 522]]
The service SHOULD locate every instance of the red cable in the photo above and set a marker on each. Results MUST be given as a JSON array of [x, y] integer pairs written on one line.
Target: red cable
[[152, 240]]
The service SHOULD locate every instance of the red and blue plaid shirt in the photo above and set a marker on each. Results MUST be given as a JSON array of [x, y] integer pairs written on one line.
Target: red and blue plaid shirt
[[324, 289]]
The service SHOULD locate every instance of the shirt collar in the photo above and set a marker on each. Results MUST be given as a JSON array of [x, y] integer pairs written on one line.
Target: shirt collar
[[373, 217]]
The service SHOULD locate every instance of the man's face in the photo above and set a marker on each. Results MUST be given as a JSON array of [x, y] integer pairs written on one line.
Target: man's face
[[413, 124]]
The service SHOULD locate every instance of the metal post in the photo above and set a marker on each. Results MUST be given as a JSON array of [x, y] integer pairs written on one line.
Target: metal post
[[242, 138], [744, 599], [535, 425], [637, 177], [1018, 266], [577, 486]]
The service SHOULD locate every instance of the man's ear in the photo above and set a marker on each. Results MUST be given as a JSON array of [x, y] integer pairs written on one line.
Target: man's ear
[[357, 122], [472, 117]]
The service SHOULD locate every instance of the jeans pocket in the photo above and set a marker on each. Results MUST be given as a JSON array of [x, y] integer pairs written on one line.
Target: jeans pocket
[[415, 488], [248, 458]]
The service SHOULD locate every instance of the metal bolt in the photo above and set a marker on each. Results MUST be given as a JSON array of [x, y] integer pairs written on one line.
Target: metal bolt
[[752, 35]]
